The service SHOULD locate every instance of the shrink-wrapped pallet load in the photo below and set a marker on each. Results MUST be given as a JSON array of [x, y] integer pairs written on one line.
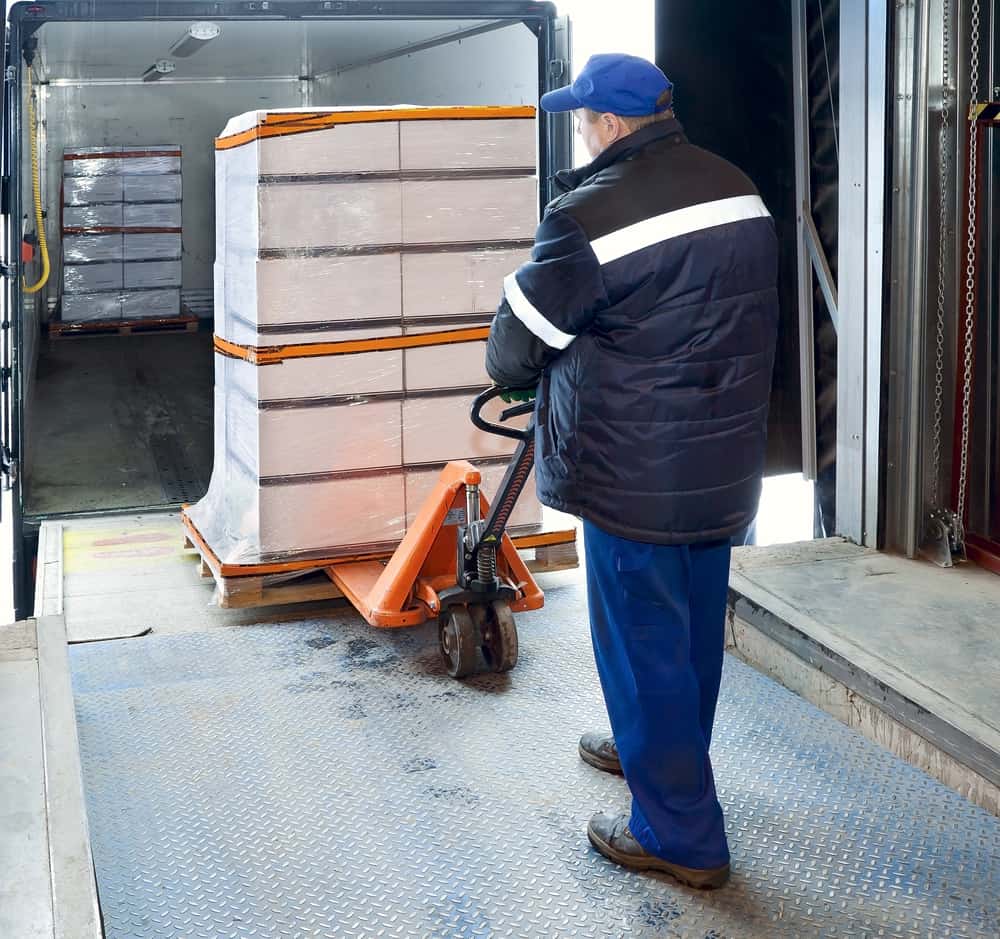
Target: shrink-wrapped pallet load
[[121, 227], [360, 257]]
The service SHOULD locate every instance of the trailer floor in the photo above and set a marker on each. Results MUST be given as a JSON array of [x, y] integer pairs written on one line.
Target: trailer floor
[[324, 779], [120, 422]]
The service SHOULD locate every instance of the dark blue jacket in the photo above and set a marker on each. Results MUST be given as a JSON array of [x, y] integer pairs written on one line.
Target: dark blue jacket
[[648, 319]]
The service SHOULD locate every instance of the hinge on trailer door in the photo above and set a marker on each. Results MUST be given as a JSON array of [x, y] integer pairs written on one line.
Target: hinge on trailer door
[[4, 375], [557, 68]]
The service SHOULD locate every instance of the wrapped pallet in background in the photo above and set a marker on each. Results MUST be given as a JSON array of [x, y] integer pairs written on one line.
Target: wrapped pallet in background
[[121, 213], [360, 259]]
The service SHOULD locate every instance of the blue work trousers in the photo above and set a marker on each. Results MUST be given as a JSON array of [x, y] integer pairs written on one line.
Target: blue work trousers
[[657, 616]]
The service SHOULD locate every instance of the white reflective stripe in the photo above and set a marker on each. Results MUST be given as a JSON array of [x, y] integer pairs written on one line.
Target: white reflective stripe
[[531, 318], [652, 231]]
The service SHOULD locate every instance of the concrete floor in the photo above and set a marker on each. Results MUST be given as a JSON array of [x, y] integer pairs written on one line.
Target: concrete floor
[[918, 642], [120, 422]]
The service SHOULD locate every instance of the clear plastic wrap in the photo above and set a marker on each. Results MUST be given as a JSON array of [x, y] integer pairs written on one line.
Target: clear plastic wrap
[[146, 247], [80, 249], [471, 145], [121, 160], [91, 307], [78, 164], [161, 188], [151, 304], [333, 453], [93, 216], [393, 212], [140, 165], [89, 190], [152, 215], [140, 275], [92, 278]]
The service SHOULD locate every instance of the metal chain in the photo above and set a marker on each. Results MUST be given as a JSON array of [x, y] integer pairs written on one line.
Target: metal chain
[[945, 167], [970, 267]]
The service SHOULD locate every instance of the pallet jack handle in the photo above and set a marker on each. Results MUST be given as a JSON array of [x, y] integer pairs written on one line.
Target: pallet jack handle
[[518, 410], [491, 531]]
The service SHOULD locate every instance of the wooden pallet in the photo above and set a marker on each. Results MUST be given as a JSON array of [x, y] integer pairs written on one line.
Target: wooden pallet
[[548, 559], [554, 551], [176, 324], [236, 593]]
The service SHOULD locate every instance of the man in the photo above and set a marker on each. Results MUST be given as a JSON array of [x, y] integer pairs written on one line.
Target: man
[[647, 319]]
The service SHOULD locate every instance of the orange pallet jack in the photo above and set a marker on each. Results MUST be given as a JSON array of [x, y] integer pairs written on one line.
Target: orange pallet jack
[[456, 563]]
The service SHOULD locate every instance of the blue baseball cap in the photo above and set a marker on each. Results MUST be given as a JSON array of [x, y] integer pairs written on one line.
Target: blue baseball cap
[[614, 83]]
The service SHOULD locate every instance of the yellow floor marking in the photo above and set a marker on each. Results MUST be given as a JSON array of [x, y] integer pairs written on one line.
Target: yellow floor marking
[[97, 550]]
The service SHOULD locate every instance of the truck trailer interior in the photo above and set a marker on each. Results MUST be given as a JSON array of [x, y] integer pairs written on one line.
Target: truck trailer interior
[[185, 752], [126, 423]]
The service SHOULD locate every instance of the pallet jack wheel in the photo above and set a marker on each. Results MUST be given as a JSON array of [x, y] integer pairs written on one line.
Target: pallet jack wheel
[[457, 635], [499, 637]]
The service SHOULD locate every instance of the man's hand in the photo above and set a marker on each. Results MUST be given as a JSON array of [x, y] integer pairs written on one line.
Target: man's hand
[[526, 394]]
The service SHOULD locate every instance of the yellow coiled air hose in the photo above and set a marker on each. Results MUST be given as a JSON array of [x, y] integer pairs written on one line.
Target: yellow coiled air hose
[[36, 180]]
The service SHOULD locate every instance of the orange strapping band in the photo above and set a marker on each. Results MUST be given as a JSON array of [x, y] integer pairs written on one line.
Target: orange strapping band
[[283, 125], [271, 355]]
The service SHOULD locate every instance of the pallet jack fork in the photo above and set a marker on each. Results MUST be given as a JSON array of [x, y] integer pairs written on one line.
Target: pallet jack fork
[[456, 562]]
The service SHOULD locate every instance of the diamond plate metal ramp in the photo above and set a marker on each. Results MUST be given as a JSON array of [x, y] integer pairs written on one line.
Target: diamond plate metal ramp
[[325, 779]]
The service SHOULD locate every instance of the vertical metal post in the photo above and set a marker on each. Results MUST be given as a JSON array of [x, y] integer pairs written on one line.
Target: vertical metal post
[[875, 242], [15, 138], [852, 279], [991, 299], [803, 204], [915, 271]]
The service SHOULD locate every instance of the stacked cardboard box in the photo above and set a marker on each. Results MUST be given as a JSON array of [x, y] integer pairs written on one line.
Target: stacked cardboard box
[[342, 237], [121, 222]]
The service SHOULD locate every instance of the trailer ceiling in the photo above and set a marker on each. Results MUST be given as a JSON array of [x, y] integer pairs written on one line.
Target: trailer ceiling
[[102, 51]]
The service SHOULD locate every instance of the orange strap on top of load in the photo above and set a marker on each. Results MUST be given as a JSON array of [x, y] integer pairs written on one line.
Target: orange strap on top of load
[[302, 122], [271, 355]]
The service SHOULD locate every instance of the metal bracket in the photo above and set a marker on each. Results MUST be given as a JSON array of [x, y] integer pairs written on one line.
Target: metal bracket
[[8, 466], [414, 47], [944, 539], [821, 265], [557, 68]]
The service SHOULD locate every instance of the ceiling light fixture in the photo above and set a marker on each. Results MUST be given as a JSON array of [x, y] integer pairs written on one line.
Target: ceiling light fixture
[[196, 37], [157, 70]]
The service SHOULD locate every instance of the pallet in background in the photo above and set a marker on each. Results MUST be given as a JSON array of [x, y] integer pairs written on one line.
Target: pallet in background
[[175, 324], [554, 551], [550, 558]]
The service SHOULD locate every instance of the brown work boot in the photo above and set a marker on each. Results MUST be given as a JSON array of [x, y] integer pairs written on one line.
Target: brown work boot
[[611, 836], [599, 750]]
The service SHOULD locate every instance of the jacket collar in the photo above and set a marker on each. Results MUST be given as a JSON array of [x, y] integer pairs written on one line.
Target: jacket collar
[[567, 180]]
